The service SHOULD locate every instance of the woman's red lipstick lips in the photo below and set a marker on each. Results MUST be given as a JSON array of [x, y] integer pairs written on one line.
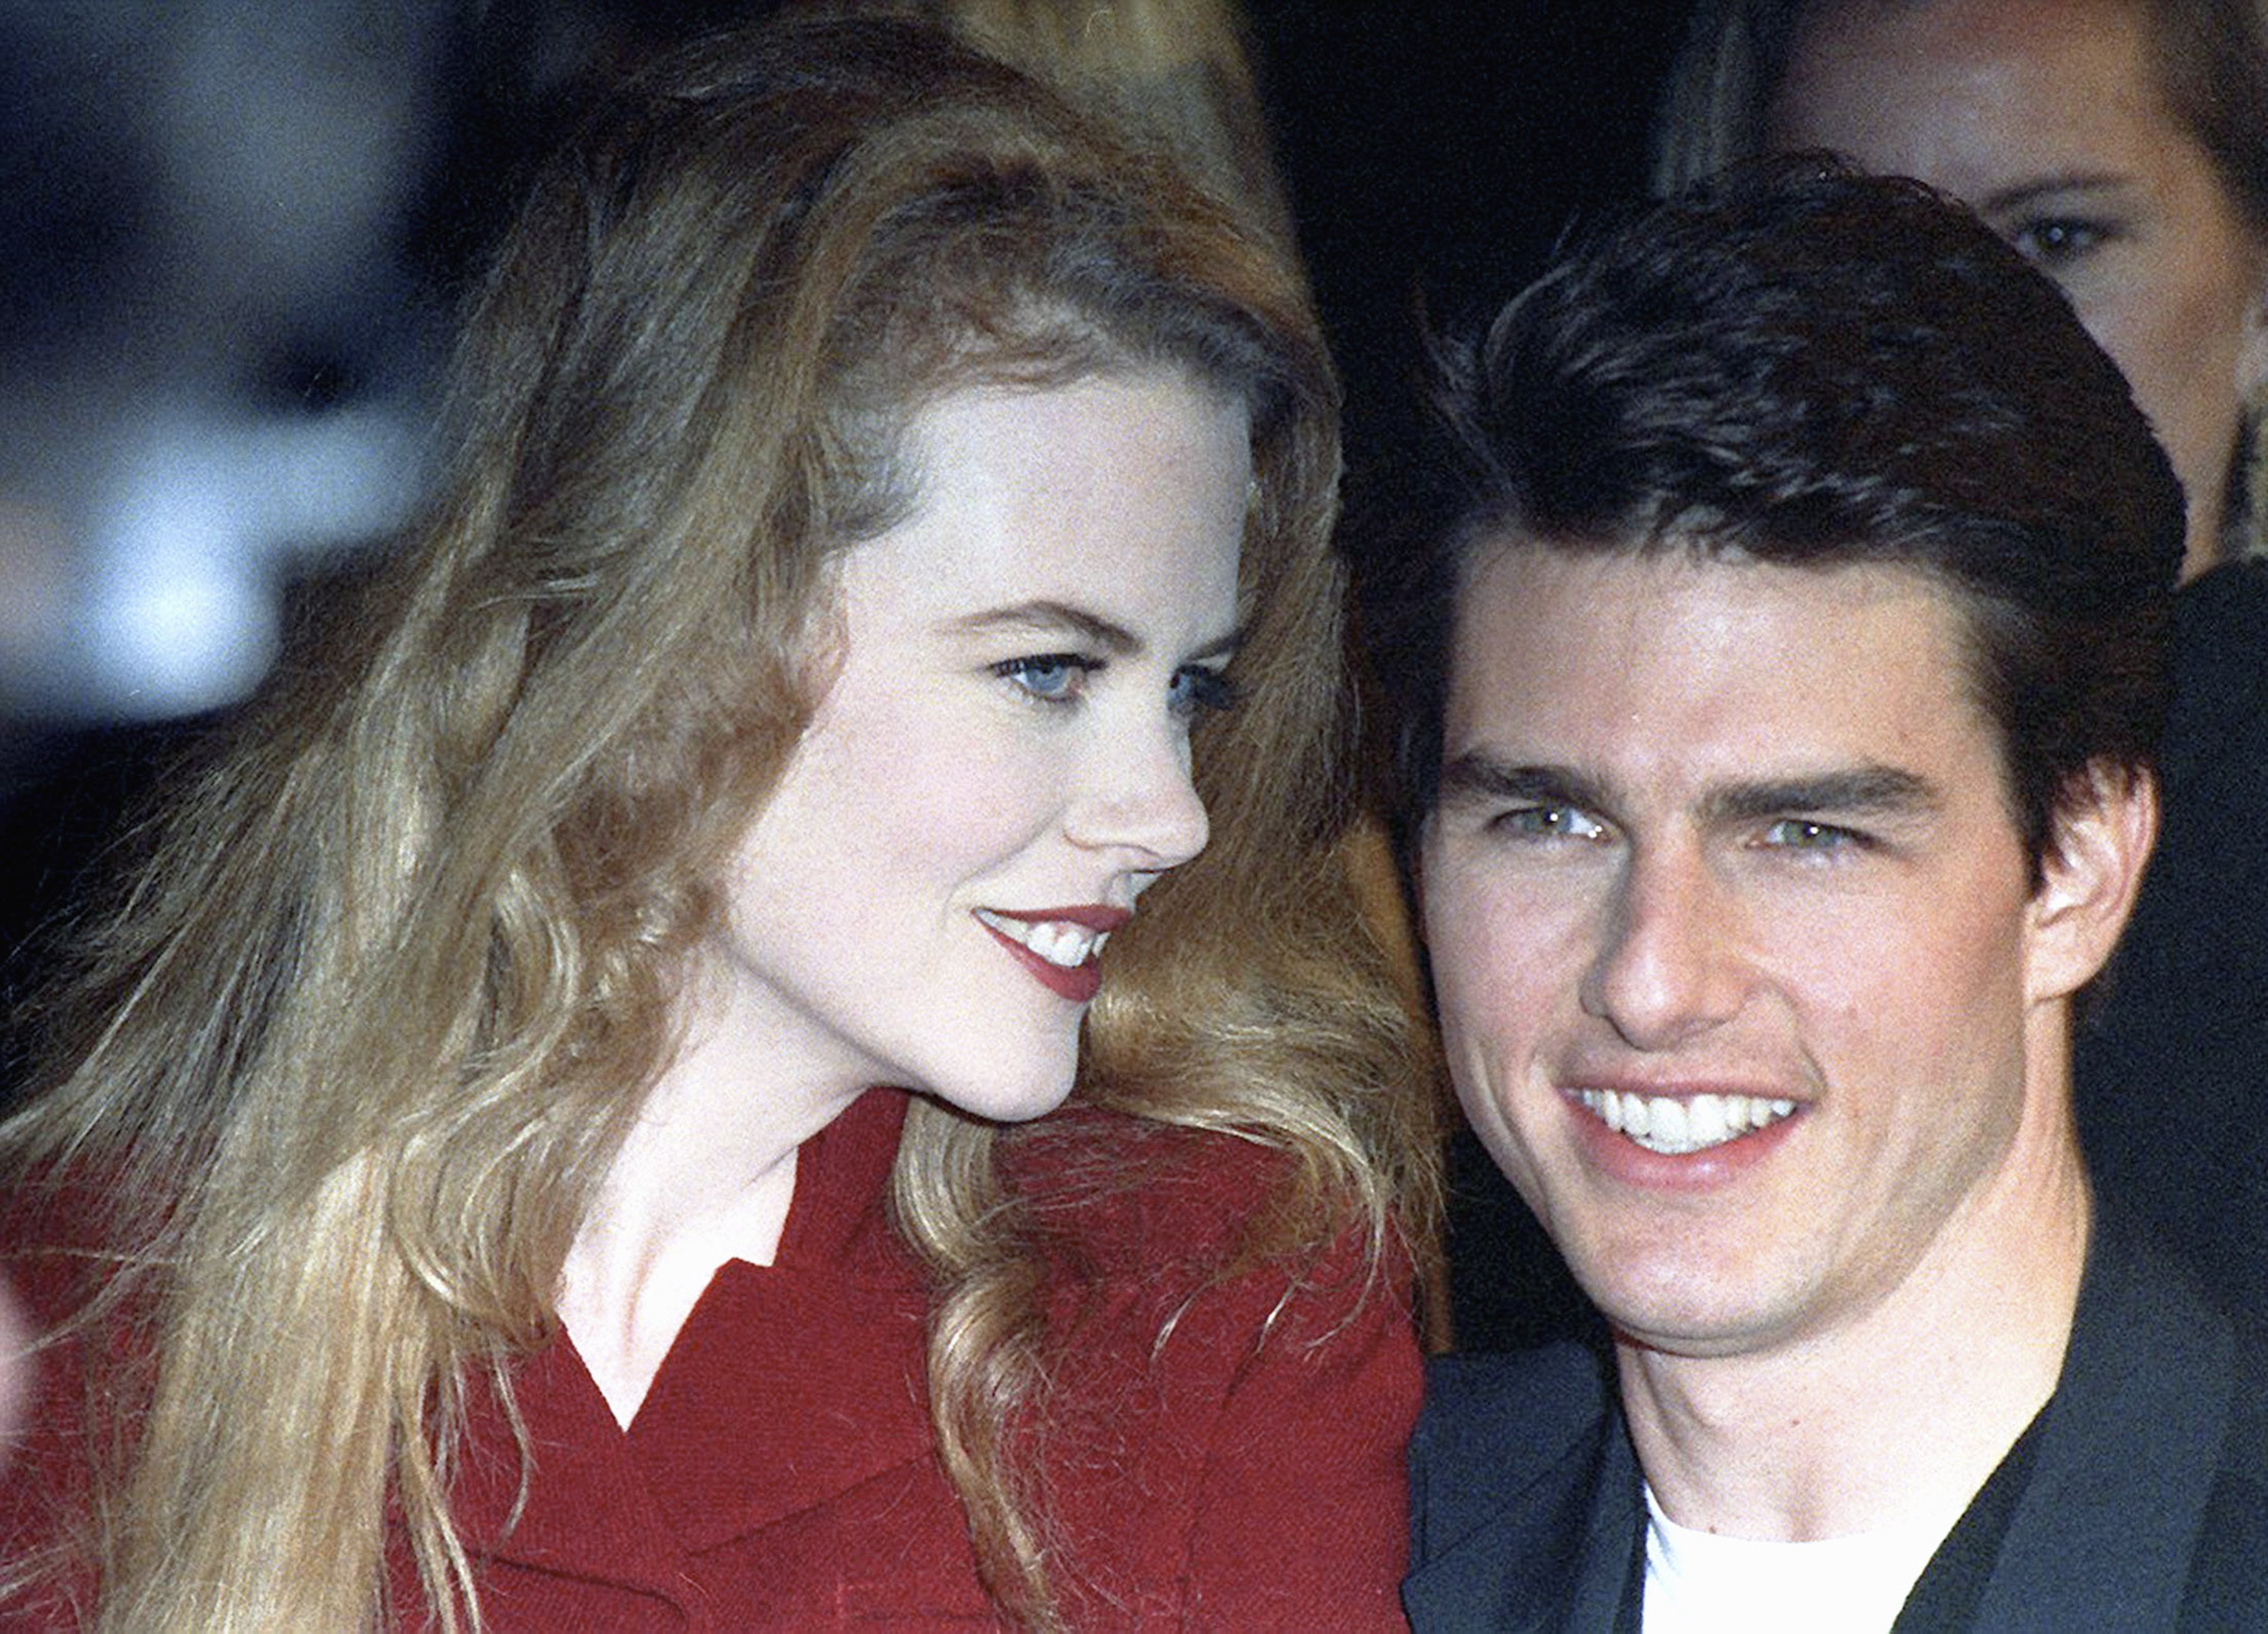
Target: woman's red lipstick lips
[[1077, 983]]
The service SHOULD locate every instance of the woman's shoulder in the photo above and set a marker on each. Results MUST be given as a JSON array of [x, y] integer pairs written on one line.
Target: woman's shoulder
[[1239, 1397], [1200, 1233], [1126, 1192]]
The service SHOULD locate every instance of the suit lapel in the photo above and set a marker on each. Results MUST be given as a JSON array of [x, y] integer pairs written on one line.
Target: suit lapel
[[1554, 1554], [2103, 1535]]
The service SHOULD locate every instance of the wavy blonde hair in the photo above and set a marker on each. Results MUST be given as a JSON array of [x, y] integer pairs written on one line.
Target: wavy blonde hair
[[347, 1060]]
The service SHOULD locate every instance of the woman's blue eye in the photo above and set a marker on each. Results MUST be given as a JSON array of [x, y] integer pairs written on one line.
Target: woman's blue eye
[[1197, 690], [1048, 677]]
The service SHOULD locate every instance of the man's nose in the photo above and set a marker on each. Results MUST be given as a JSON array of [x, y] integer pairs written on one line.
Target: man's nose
[[1668, 965]]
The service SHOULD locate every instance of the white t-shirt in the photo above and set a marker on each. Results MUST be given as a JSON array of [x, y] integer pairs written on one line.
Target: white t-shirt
[[1699, 1583]]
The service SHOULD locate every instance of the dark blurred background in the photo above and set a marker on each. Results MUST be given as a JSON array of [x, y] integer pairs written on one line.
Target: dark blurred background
[[232, 228]]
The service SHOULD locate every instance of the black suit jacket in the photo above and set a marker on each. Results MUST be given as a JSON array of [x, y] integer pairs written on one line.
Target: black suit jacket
[[2136, 1503], [2171, 1068]]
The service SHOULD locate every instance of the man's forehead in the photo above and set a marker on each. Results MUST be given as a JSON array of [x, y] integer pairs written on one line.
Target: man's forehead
[[1677, 560], [1596, 654], [1672, 575]]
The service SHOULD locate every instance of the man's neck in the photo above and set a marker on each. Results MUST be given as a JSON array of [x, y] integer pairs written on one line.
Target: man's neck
[[1896, 1416]]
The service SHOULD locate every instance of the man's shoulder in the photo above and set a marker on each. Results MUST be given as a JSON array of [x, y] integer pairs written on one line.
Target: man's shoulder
[[2230, 1562], [2157, 1362], [1519, 1403], [1525, 1506], [2141, 1509], [1495, 1425]]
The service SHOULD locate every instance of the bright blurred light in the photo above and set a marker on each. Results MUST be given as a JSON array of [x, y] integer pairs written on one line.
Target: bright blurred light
[[193, 536], [210, 359]]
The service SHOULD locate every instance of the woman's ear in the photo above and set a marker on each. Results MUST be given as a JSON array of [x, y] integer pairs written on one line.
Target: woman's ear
[[2105, 825]]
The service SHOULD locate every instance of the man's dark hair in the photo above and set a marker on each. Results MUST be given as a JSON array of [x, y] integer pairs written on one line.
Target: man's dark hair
[[1802, 366]]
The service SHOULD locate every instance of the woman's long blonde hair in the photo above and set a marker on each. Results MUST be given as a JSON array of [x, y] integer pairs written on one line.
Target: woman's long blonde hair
[[346, 1062]]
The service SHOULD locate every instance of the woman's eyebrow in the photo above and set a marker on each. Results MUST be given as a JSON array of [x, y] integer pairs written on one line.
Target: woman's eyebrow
[[1050, 617], [2048, 185], [1045, 617]]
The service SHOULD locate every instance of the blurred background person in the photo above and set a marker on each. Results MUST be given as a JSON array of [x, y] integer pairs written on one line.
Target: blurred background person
[[2122, 146], [210, 330]]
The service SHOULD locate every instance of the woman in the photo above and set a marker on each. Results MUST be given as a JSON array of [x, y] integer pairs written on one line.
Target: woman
[[2123, 145], [559, 1095]]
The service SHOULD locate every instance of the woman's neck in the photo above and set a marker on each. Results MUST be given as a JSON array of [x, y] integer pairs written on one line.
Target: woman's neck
[[705, 1175]]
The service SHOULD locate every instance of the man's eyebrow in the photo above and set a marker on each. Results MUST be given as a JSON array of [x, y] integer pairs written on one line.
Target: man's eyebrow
[[1059, 618], [1876, 792], [1477, 775]]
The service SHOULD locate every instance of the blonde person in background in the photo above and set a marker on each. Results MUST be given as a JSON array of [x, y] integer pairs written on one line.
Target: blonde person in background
[[610, 1107], [2122, 146], [1176, 75]]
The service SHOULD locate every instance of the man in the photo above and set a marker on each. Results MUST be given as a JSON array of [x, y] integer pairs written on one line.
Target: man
[[1782, 672]]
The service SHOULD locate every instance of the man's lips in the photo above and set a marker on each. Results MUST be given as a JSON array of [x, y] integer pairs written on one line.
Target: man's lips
[[1057, 944]]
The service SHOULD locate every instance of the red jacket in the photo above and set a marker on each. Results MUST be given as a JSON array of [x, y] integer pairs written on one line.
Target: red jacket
[[781, 1471]]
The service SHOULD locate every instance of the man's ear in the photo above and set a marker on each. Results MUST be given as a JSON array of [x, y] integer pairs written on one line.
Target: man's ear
[[2104, 826], [2252, 359]]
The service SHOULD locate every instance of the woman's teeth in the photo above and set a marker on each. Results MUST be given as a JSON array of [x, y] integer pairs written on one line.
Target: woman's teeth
[[1057, 941]]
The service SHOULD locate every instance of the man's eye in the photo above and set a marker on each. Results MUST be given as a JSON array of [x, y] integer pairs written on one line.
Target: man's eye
[[1048, 677], [1801, 834], [1198, 690], [1549, 822]]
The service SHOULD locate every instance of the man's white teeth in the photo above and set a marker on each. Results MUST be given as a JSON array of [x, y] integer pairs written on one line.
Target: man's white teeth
[[1057, 941], [1676, 1125]]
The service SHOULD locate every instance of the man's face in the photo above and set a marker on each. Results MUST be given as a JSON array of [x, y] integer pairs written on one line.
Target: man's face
[[1740, 973]]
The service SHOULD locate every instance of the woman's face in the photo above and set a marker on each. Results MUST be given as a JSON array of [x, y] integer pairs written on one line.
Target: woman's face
[[2045, 116], [1000, 764]]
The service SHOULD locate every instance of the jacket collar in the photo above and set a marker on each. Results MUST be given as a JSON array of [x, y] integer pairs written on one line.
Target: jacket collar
[[788, 1385], [2101, 1537], [2130, 1446], [1559, 1555]]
